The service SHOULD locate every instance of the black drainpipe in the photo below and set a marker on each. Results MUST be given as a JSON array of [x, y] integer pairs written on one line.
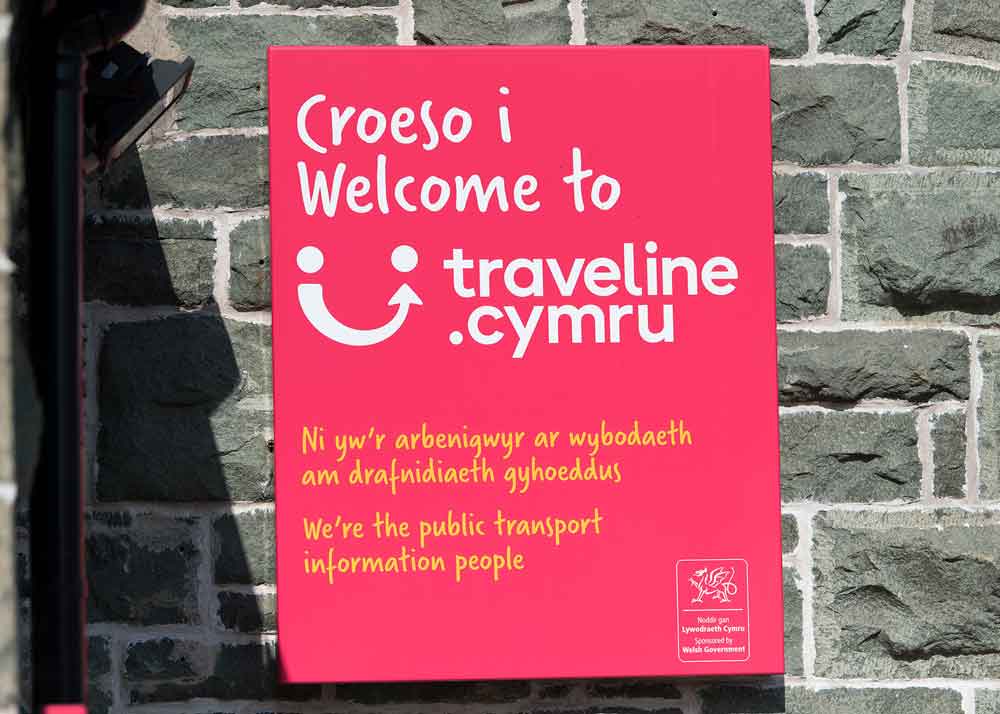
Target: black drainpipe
[[66, 34]]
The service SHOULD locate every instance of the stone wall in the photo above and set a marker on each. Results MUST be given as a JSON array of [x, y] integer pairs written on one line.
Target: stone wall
[[887, 207]]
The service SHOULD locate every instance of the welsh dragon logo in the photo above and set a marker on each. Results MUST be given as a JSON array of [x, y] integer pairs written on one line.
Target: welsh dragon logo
[[716, 584]]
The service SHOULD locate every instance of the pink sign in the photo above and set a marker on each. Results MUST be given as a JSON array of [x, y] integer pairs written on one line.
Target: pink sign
[[524, 363]]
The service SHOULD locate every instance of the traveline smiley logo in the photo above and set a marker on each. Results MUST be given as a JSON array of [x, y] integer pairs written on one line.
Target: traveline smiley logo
[[310, 261]]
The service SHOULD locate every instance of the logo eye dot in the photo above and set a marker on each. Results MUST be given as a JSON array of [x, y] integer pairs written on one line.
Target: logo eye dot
[[404, 258], [310, 259]]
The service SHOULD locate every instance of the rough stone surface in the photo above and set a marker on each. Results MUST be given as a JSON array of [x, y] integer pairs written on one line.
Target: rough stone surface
[[555, 689], [246, 612], [148, 262], [605, 695], [793, 623], [907, 594], [848, 366], [244, 548], [615, 709], [953, 114], [321, 3], [182, 269], [789, 533], [231, 86], [835, 114], [185, 411], [198, 172], [961, 27], [490, 22], [803, 279], [988, 701], [989, 418], [860, 27], [100, 692], [728, 698], [537, 22], [250, 265], [853, 457], [111, 228], [195, 3], [167, 670], [631, 689], [948, 439], [428, 693], [459, 22], [780, 24], [798, 700], [922, 247], [801, 204], [142, 570]]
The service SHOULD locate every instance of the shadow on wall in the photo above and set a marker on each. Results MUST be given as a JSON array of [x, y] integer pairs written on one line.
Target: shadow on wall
[[183, 437], [179, 457]]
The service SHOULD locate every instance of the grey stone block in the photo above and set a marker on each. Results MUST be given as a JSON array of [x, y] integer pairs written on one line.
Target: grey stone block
[[913, 700], [142, 569], [185, 411], [197, 172], [250, 265], [100, 690], [953, 111], [860, 27], [491, 22], [168, 670], [907, 594], [845, 367], [244, 548], [988, 701], [537, 22], [196, 3], [247, 612], [149, 228], [780, 24], [322, 3], [793, 623], [989, 418], [801, 204], [640, 688], [531, 708], [960, 27], [789, 533], [556, 689], [922, 247], [852, 457], [230, 86], [835, 114], [730, 698], [803, 281], [948, 439], [434, 693], [459, 22], [149, 262]]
